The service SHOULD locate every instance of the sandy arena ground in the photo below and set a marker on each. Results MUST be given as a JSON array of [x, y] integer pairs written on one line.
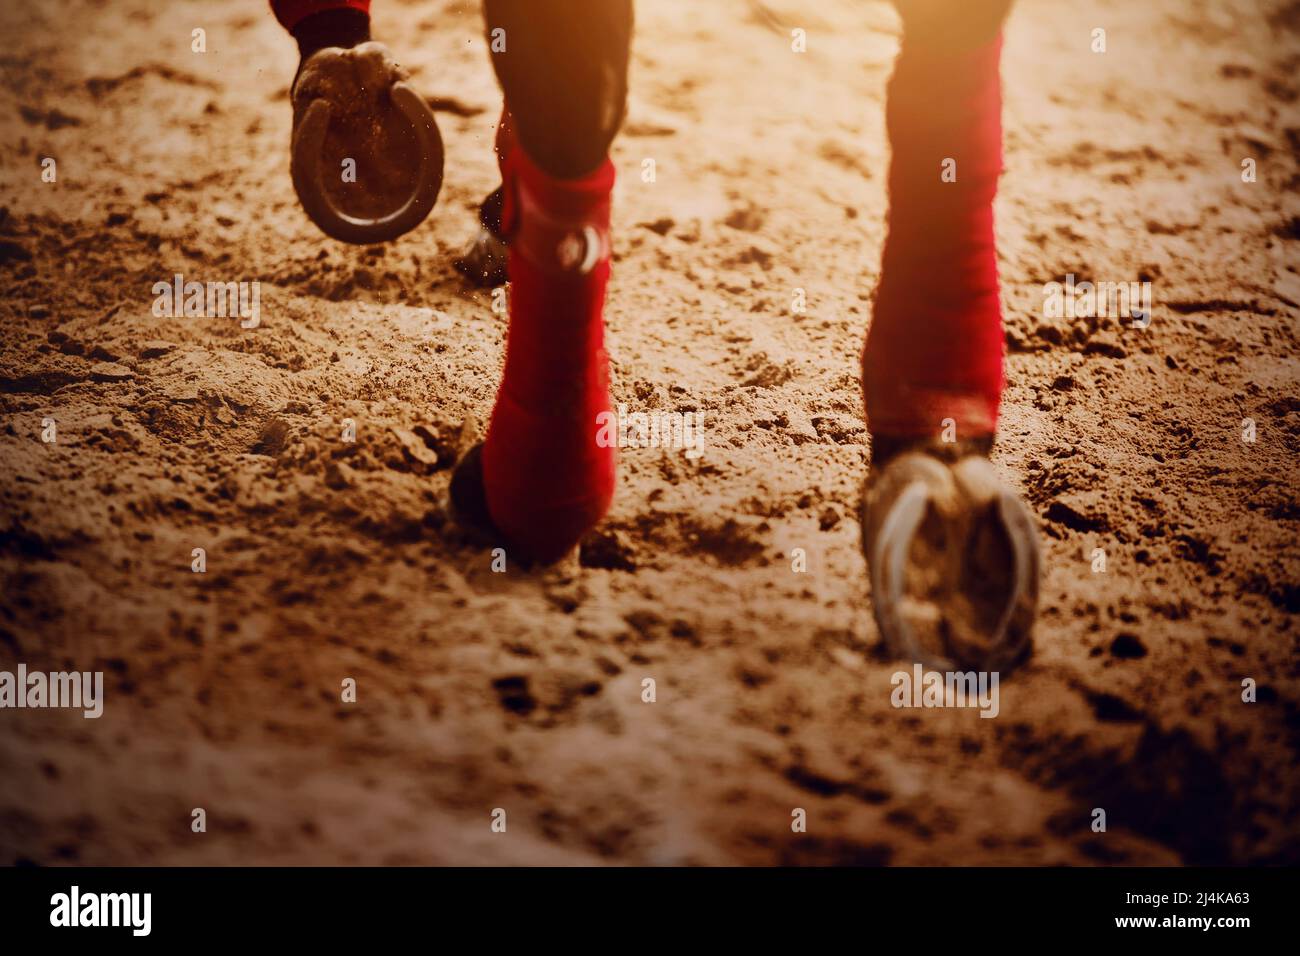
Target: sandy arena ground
[[476, 690]]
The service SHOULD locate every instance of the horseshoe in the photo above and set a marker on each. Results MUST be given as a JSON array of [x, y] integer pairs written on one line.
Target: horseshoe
[[1015, 630], [887, 542], [308, 142], [1012, 636], [888, 569]]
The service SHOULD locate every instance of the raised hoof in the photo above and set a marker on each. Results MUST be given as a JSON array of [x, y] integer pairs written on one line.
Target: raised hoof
[[954, 563], [336, 80]]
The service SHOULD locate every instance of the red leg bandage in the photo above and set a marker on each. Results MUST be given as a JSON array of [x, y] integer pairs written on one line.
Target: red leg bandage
[[546, 478], [289, 12], [934, 351]]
